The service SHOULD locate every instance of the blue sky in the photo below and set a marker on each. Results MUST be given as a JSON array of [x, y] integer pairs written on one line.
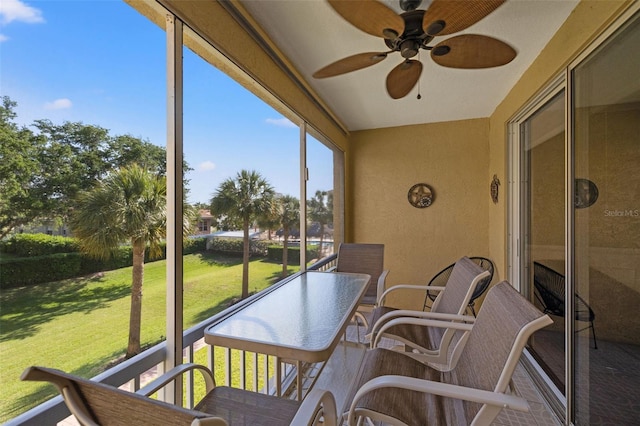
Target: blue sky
[[102, 63]]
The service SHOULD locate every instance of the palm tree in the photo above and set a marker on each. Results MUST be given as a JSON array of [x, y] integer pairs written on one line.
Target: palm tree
[[129, 205], [289, 218], [321, 211], [247, 197], [271, 219]]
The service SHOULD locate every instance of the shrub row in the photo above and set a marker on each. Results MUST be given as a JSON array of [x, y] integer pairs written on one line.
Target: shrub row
[[274, 253], [23, 245], [36, 269], [29, 245], [236, 246], [39, 269]]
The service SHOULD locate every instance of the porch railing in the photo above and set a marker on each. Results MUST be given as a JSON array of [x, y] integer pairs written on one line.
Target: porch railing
[[133, 373]]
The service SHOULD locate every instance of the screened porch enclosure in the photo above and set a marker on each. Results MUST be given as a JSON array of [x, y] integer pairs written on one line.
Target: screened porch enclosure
[[352, 186]]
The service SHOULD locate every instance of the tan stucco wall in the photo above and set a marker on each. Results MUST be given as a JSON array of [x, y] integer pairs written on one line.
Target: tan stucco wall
[[453, 159], [584, 24], [547, 194]]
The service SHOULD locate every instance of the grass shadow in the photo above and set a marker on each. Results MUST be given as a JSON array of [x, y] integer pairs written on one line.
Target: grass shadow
[[25, 309], [217, 308], [277, 276], [230, 301]]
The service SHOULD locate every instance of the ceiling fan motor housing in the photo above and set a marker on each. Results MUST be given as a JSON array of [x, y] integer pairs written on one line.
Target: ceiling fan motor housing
[[408, 5]]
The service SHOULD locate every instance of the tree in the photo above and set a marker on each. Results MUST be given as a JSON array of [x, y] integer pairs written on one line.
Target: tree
[[245, 198], [321, 211], [41, 172], [125, 149], [129, 205], [289, 208], [271, 219], [19, 166]]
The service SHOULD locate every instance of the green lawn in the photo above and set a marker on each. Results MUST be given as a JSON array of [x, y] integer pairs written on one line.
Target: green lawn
[[81, 325]]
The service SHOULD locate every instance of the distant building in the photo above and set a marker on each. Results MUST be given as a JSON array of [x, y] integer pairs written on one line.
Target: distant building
[[205, 220]]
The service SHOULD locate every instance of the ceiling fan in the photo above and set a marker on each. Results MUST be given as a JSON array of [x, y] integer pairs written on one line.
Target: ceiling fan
[[413, 30]]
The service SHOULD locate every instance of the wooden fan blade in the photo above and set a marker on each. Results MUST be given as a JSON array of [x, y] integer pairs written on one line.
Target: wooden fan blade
[[472, 51], [402, 78], [369, 16], [350, 63], [457, 14]]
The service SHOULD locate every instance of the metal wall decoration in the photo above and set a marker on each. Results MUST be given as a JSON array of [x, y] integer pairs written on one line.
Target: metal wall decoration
[[586, 193], [494, 189], [420, 195]]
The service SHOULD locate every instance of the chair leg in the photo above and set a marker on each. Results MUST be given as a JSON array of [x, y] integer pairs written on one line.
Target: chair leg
[[359, 316], [593, 331]]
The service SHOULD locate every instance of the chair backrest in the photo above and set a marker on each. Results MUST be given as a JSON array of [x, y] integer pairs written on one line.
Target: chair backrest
[[362, 259], [441, 278], [550, 287], [459, 287], [96, 403], [499, 334], [454, 300]]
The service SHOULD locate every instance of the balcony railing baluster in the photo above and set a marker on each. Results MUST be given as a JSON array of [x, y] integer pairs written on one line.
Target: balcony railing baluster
[[228, 367], [135, 371], [265, 373], [254, 359]]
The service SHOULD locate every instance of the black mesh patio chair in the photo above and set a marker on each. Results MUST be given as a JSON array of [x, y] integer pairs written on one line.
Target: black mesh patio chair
[[441, 278], [550, 292]]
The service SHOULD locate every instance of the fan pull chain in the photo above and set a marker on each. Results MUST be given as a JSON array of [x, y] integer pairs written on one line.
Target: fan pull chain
[[419, 78]]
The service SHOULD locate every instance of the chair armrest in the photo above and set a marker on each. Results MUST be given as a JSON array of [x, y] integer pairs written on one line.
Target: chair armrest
[[209, 421], [398, 313], [381, 284], [317, 403], [417, 321], [443, 389], [168, 377], [383, 295]]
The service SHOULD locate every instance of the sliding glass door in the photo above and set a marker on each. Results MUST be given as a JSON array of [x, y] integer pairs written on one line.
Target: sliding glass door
[[542, 178], [606, 217], [575, 230]]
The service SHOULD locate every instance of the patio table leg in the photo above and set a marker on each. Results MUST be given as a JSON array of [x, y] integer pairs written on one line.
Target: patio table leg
[[278, 373], [299, 380]]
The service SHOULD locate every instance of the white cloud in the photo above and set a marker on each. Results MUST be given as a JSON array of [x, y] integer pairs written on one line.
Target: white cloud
[[281, 122], [16, 10], [206, 166], [62, 103], [3, 38]]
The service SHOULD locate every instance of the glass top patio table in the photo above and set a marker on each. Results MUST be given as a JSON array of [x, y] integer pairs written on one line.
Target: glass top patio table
[[303, 319]]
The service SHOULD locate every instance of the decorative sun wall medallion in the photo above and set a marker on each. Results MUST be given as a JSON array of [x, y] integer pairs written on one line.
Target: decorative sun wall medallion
[[586, 193], [420, 195]]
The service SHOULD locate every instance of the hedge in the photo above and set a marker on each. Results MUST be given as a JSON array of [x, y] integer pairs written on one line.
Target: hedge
[[236, 246], [24, 245], [39, 269], [274, 253], [53, 266]]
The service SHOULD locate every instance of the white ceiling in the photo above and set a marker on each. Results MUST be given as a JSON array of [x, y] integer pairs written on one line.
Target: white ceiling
[[311, 34]]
